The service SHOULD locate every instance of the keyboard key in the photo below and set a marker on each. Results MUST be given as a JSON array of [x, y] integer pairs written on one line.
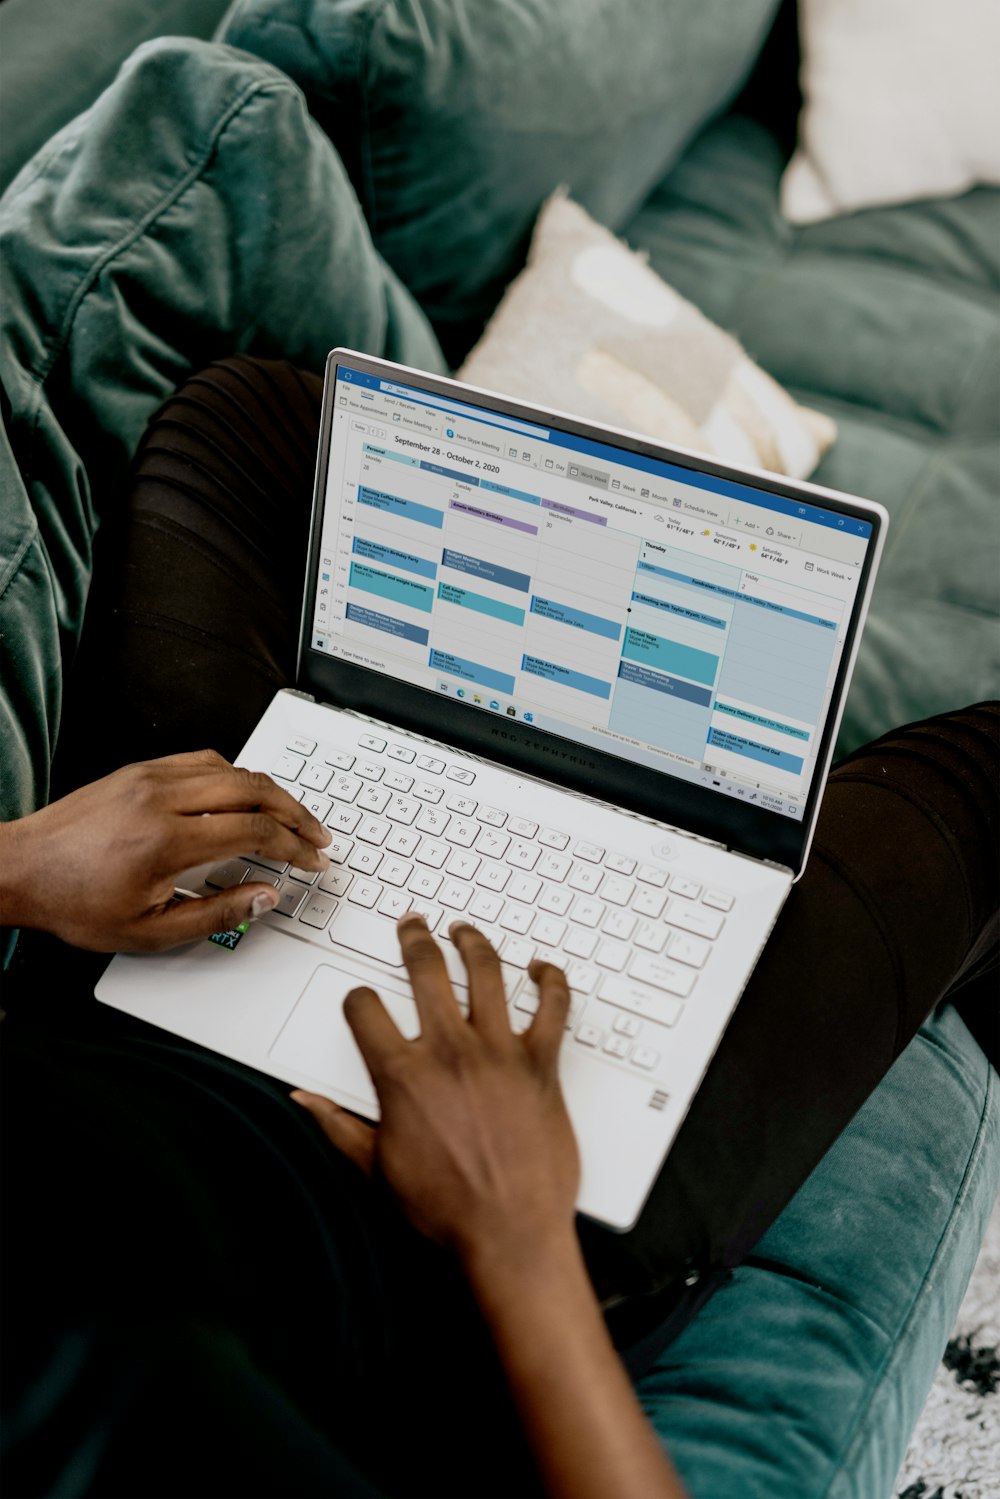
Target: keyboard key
[[365, 860], [343, 820], [586, 877], [523, 855], [649, 903], [374, 799], [233, 872], [344, 788], [589, 1035], [517, 918], [624, 993], [363, 893], [431, 914], [393, 871], [401, 753], [463, 831], [517, 952], [402, 809], [661, 974], [394, 904], [617, 1046], [319, 806], [372, 830], [290, 900], [335, 882], [463, 805], [552, 838], [275, 864], [340, 760], [369, 770], [650, 936], [433, 853], [263, 877], [592, 852], [627, 1025], [371, 742], [492, 845], [554, 866], [485, 906], [521, 827], [549, 930], [696, 919], [586, 911], [428, 793], [493, 816], [620, 924], [287, 767], [681, 885], [582, 977], [691, 950], [613, 955], [428, 762], [317, 911], [555, 898], [396, 781], [460, 774], [528, 1000], [524, 887], [493, 876], [433, 821], [649, 874], [580, 943], [719, 899], [617, 890], [304, 876], [455, 894], [426, 883], [402, 841], [316, 776], [620, 864], [463, 865], [645, 1057], [301, 746]]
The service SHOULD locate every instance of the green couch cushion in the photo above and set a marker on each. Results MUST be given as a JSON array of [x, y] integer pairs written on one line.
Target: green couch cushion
[[456, 119], [193, 211], [889, 320]]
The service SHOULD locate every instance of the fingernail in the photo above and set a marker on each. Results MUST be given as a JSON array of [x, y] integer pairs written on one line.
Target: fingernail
[[262, 903]]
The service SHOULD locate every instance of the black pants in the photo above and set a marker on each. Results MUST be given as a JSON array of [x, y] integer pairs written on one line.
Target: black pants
[[193, 627]]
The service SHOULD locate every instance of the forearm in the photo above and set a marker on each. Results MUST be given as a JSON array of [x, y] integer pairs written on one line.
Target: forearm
[[580, 1414], [16, 908]]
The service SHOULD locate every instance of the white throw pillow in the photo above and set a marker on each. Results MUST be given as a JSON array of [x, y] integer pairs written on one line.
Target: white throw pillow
[[588, 327], [900, 101]]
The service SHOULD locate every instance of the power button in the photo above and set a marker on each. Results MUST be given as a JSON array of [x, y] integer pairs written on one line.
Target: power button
[[663, 850]]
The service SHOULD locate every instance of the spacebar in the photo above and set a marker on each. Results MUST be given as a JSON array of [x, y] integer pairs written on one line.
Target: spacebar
[[374, 937]]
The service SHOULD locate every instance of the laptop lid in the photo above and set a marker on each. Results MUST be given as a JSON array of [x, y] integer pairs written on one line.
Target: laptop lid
[[665, 632]]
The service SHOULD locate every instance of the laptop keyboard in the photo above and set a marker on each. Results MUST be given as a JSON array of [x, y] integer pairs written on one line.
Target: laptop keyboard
[[410, 833]]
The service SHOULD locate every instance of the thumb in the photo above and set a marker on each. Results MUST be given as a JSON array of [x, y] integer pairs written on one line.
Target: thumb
[[191, 919]]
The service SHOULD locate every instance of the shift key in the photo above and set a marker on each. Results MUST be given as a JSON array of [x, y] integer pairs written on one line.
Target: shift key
[[649, 969]]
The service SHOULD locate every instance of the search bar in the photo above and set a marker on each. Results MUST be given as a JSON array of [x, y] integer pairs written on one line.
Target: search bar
[[473, 412]]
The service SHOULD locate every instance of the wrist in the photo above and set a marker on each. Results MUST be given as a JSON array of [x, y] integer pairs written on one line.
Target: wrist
[[522, 1265]]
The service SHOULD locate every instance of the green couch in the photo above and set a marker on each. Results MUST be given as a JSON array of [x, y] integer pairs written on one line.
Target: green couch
[[199, 207]]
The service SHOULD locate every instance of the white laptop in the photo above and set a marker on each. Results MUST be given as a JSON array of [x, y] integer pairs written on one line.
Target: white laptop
[[575, 687]]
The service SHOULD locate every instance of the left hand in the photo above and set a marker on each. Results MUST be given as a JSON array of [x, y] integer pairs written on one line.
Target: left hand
[[474, 1137]]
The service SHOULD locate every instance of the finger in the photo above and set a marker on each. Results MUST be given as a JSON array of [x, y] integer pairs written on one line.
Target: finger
[[379, 1038], [350, 1135], [432, 991], [228, 788], [545, 1033], [487, 999], [220, 835], [187, 920]]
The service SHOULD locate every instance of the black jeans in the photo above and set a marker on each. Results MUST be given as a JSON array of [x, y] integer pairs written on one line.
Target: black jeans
[[194, 625]]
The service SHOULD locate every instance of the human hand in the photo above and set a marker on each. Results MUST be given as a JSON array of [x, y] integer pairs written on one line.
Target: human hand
[[97, 867], [474, 1138]]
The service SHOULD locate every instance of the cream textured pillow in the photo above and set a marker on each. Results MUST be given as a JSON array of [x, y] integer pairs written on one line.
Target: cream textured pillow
[[588, 327], [900, 101]]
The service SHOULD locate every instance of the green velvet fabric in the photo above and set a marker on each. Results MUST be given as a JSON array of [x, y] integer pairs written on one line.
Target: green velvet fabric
[[804, 1376], [890, 321], [457, 118], [194, 210]]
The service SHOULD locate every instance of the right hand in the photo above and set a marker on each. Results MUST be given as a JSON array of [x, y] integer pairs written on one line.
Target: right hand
[[97, 867], [474, 1137]]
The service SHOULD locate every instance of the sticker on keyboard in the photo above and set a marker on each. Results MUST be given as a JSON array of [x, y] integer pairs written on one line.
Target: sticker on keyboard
[[231, 938]]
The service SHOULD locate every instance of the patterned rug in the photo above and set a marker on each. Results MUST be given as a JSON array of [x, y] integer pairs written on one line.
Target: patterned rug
[[955, 1451]]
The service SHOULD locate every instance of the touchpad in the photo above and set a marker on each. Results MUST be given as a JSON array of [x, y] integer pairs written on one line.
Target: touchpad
[[316, 1040]]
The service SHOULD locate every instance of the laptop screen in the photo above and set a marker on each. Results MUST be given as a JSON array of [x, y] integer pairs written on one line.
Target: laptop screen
[[685, 622]]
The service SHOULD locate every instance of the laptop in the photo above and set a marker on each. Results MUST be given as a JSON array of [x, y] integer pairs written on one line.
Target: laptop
[[563, 682]]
